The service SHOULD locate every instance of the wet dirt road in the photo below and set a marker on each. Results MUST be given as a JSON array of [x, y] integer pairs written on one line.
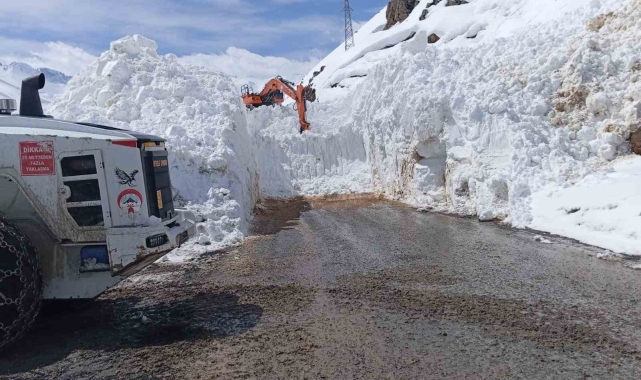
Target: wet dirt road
[[355, 290]]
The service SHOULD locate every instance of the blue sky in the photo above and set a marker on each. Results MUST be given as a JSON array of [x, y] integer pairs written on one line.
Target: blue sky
[[296, 29]]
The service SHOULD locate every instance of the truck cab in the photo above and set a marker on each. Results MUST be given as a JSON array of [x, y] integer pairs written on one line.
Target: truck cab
[[95, 201]]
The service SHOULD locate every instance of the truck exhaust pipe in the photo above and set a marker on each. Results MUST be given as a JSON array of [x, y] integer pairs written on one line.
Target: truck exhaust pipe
[[30, 104]]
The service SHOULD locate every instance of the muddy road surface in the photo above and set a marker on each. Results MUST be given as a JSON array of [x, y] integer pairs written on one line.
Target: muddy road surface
[[354, 290]]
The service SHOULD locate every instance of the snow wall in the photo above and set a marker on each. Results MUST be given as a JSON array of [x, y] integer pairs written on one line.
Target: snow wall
[[521, 112], [518, 102]]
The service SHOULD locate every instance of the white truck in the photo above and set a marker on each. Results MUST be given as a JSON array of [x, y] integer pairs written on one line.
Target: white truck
[[82, 206]]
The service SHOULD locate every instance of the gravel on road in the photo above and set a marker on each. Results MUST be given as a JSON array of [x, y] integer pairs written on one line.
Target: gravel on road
[[354, 289]]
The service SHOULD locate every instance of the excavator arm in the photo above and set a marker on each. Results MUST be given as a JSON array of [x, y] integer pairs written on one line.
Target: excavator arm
[[272, 93], [301, 107]]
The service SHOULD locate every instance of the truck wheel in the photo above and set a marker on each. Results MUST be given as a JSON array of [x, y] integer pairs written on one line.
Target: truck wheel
[[20, 283]]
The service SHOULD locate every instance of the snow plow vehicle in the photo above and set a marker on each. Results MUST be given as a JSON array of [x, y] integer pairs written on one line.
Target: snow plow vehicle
[[273, 93], [82, 206]]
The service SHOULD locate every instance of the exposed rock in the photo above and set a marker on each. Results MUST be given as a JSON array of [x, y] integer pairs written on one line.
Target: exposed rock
[[436, 2], [316, 73], [433, 38], [455, 2], [398, 10], [635, 142], [309, 93]]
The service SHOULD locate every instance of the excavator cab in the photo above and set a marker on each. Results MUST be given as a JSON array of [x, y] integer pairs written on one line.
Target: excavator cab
[[250, 99], [274, 93], [279, 97]]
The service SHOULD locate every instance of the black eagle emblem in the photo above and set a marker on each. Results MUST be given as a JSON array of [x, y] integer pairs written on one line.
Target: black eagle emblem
[[126, 179]]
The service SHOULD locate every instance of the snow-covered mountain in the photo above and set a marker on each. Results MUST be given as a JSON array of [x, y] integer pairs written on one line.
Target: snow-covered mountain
[[11, 77], [513, 110], [23, 70]]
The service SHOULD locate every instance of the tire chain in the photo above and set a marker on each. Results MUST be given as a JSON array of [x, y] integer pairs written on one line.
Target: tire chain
[[25, 316]]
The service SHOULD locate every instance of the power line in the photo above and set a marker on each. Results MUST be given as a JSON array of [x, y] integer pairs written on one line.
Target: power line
[[349, 29]]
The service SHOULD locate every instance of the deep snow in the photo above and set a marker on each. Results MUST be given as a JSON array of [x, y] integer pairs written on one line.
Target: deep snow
[[602, 209], [520, 112], [544, 95], [197, 110]]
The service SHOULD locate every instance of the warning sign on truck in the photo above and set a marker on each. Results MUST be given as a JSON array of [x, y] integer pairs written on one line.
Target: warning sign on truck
[[37, 158]]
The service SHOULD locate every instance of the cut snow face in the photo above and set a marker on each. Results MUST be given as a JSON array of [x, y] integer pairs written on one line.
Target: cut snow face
[[315, 163]]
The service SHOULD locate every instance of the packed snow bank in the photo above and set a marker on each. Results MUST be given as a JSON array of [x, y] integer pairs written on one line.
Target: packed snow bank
[[199, 113], [602, 209]]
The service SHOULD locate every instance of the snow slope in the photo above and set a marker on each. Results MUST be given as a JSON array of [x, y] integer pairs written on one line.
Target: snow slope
[[521, 112], [487, 20]]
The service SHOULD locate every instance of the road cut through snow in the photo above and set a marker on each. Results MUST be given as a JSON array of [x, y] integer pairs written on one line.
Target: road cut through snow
[[517, 106]]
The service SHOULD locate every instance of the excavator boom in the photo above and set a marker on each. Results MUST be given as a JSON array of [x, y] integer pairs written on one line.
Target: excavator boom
[[274, 92]]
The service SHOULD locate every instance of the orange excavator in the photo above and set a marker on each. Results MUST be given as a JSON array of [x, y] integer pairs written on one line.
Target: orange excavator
[[274, 92]]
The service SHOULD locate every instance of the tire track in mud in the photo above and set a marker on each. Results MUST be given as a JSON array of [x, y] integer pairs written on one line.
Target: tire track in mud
[[549, 325], [353, 288]]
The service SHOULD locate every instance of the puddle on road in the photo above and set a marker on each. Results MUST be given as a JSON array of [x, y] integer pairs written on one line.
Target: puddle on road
[[272, 215]]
